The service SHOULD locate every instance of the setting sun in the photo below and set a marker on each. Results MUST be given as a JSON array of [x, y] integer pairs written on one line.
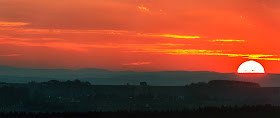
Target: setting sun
[[250, 67]]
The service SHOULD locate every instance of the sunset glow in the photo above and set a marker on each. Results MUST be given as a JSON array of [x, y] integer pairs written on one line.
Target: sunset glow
[[140, 35]]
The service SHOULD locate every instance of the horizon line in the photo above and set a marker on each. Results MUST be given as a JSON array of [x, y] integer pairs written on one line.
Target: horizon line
[[135, 71]]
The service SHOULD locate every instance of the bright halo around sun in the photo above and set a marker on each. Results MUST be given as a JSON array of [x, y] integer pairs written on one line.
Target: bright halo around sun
[[250, 67]]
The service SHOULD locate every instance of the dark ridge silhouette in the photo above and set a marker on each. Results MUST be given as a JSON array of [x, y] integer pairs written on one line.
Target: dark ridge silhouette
[[231, 83], [106, 77], [225, 84]]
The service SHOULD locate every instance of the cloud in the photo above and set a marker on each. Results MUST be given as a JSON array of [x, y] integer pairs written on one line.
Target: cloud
[[176, 36], [227, 40], [10, 55], [60, 45], [143, 8], [156, 48], [76, 31], [136, 63], [12, 24], [66, 45], [63, 31], [171, 44], [211, 52], [182, 51]]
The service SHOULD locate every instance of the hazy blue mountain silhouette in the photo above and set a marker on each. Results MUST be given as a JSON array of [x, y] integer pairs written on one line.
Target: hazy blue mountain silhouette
[[106, 77]]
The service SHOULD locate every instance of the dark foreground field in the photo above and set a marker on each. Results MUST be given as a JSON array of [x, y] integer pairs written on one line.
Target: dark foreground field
[[264, 111]]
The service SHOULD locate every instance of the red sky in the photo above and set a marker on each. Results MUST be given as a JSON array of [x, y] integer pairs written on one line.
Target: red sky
[[140, 35]]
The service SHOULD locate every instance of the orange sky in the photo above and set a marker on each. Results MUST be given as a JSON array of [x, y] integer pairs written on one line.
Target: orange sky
[[140, 35]]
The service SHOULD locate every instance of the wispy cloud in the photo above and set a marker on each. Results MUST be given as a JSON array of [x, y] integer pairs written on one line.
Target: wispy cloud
[[60, 45], [12, 24], [10, 55], [62, 31], [176, 36], [171, 44], [64, 45], [50, 39], [159, 48], [77, 31], [211, 52], [227, 40], [136, 63], [143, 8]]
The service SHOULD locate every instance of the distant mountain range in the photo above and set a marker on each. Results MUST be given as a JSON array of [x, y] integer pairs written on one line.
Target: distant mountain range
[[106, 77]]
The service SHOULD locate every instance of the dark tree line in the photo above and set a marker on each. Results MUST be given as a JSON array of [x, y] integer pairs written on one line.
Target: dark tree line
[[69, 82], [261, 111]]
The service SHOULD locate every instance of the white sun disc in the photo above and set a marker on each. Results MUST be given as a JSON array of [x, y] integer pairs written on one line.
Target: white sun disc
[[250, 67]]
